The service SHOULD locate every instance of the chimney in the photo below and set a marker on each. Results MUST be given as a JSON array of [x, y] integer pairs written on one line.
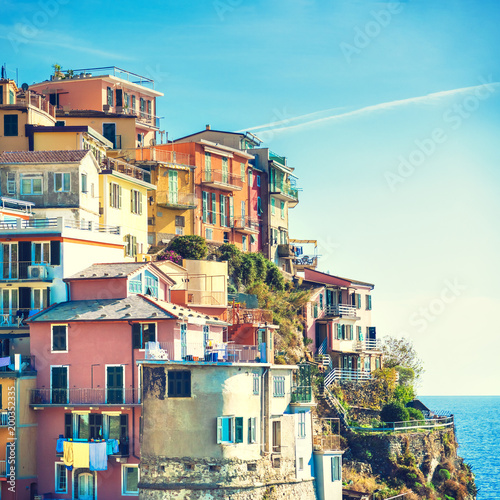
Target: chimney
[[207, 127]]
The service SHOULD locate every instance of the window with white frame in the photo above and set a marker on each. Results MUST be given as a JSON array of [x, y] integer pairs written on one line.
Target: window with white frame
[[142, 333], [130, 479], [135, 202], [62, 182], [59, 338], [41, 252], [229, 430], [39, 298], [336, 469], [31, 184], [61, 478], [115, 195], [302, 424], [279, 386], [252, 430]]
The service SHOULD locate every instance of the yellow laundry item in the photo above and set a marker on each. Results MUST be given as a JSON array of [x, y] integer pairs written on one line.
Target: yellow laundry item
[[68, 453], [81, 453]]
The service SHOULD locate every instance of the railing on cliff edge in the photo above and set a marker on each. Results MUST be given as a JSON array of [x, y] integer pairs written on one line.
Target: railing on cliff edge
[[408, 425]]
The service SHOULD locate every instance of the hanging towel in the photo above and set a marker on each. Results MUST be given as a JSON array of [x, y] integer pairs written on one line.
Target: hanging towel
[[5, 361], [98, 459], [68, 454], [59, 445], [116, 446], [81, 455], [109, 447]]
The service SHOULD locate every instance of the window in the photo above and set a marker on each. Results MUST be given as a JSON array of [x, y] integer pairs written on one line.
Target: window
[[142, 333], [276, 436], [130, 479], [31, 184], [62, 182], [61, 482], [243, 210], [226, 237], [225, 171], [336, 469], [204, 196], [258, 181], [244, 243], [60, 123], [259, 206], [142, 106], [256, 383], [209, 233], [208, 167], [86, 425], [115, 378], [84, 183], [377, 363], [242, 171], [10, 126], [133, 102], [302, 424], [136, 202], [59, 384], [41, 253], [115, 195], [130, 245], [358, 300], [229, 430], [179, 384], [279, 386], [360, 334], [273, 206], [321, 301], [252, 430], [369, 302], [59, 338], [149, 109], [11, 183], [173, 187], [282, 209], [110, 96]]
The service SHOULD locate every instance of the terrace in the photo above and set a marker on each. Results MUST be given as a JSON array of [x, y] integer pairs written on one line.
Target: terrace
[[31, 99], [77, 396], [246, 225], [114, 165], [222, 179], [175, 200]]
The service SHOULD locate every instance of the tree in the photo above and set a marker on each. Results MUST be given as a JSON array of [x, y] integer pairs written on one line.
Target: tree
[[400, 352], [189, 247], [394, 412]]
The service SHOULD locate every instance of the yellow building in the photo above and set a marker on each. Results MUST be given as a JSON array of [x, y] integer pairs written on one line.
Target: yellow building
[[123, 192], [17, 109], [17, 425]]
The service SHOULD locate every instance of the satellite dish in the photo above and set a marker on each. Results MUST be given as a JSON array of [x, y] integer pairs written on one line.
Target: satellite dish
[[25, 86]]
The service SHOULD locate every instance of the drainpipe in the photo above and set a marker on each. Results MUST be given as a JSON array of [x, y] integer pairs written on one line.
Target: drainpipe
[[133, 386], [263, 441]]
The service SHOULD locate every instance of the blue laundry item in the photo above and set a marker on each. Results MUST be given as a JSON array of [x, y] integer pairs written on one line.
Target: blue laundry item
[[98, 458], [112, 446], [5, 361], [60, 445]]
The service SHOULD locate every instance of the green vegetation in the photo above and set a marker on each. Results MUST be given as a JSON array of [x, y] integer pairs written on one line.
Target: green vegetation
[[400, 353], [415, 414], [394, 411], [189, 247], [444, 474]]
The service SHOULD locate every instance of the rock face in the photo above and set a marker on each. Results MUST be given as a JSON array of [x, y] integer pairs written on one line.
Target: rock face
[[415, 460]]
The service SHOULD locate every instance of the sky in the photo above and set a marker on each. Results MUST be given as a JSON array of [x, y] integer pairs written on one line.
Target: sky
[[388, 111]]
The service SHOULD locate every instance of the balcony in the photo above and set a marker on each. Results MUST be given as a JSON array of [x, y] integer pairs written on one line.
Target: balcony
[[238, 316], [341, 310], [285, 192], [162, 156], [113, 165], [305, 262], [301, 394], [222, 180], [55, 225], [246, 225], [277, 158], [176, 201], [26, 364], [16, 318], [76, 396], [25, 271], [113, 71], [31, 99], [328, 434], [368, 345], [16, 206], [120, 448], [201, 352]]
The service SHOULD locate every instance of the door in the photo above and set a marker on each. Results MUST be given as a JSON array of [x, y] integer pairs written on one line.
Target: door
[[114, 384], [59, 390], [172, 186], [183, 341], [9, 306], [10, 261], [109, 131], [85, 487], [276, 436]]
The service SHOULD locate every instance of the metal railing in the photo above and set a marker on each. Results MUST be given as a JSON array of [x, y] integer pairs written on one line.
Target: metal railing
[[248, 223], [175, 199], [84, 396], [15, 318], [125, 168], [285, 189], [432, 423], [114, 71], [343, 374], [27, 364], [30, 271], [157, 154], [58, 223], [322, 348], [17, 205], [277, 158], [368, 345], [239, 316], [222, 178], [329, 442], [4, 418], [301, 394], [199, 351], [342, 310], [30, 98], [92, 226]]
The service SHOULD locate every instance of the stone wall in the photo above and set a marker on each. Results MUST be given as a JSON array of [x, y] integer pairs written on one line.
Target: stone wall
[[184, 478]]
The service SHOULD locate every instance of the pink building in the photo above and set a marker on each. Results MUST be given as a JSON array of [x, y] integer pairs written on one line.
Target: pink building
[[88, 382]]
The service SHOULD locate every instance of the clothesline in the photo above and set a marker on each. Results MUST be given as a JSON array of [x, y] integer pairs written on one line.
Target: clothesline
[[90, 455]]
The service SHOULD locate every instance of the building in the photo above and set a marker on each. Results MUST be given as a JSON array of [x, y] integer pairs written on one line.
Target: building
[[120, 313], [338, 321], [119, 104], [234, 430]]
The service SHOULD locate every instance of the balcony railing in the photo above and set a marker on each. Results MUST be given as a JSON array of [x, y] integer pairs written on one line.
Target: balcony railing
[[10, 318], [175, 200], [368, 345], [155, 154], [126, 168], [328, 442], [246, 224], [342, 310], [277, 158], [198, 351], [26, 271], [58, 224], [222, 180], [301, 394], [238, 316], [30, 98], [344, 374], [114, 71], [80, 396], [286, 191], [16, 205], [4, 418]]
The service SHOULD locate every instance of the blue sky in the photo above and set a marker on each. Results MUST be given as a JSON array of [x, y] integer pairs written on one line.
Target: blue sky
[[401, 188]]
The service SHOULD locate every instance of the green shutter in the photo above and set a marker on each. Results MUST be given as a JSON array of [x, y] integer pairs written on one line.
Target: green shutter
[[231, 212], [339, 331], [205, 207], [238, 438], [214, 209]]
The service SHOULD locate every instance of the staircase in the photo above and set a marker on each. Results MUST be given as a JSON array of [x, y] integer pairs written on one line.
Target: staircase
[[334, 404]]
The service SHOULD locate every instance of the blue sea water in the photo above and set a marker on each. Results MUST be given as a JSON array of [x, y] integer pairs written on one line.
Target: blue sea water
[[477, 424]]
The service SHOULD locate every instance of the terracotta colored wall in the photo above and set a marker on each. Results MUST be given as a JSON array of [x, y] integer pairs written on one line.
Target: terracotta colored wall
[[99, 289]]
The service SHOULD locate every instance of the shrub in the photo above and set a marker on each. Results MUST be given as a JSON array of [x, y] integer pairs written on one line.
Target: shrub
[[172, 256], [189, 247], [415, 414], [444, 474], [404, 393], [275, 279], [394, 412]]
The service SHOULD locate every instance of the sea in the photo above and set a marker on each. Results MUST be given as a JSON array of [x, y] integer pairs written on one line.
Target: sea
[[477, 424]]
